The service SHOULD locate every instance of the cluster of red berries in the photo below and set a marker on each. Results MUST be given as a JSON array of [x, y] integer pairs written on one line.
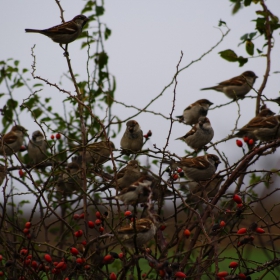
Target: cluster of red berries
[[57, 136], [178, 173], [148, 135], [26, 229], [250, 142]]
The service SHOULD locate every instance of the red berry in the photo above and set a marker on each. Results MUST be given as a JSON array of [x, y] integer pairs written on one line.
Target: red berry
[[162, 227], [82, 216], [146, 136], [233, 265], [87, 267], [222, 224], [222, 274], [90, 224], [237, 199], [239, 143], [78, 233], [97, 215], [259, 230], [101, 229], [21, 173], [52, 137], [127, 213], [28, 225], [121, 255], [251, 142], [59, 265], [34, 264], [58, 136], [76, 216], [161, 273], [179, 169], [242, 276], [84, 242], [1, 258], [27, 262], [180, 274], [98, 222], [74, 251], [240, 205], [1, 273], [245, 139], [48, 258], [108, 259], [175, 176], [23, 252], [29, 257], [113, 276], [242, 231], [187, 233], [144, 275], [80, 260]]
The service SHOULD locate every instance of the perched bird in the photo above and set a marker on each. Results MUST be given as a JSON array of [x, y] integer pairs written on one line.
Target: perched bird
[[128, 175], [12, 141], [71, 180], [199, 168], [145, 230], [245, 130], [194, 111], [64, 33], [96, 153], [264, 130], [3, 173], [37, 147], [132, 140], [200, 134], [236, 87], [131, 194]]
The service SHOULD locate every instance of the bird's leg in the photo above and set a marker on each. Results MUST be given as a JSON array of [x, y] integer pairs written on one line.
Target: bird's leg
[[65, 49]]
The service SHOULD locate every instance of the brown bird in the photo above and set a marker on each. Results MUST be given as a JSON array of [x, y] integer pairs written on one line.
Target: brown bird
[[37, 147], [71, 180], [132, 140], [194, 111], [198, 168], [64, 33], [245, 130], [131, 194], [96, 153], [200, 134], [128, 175], [12, 141], [236, 87]]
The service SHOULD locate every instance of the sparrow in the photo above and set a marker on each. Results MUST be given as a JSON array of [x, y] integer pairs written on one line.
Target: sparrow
[[71, 180], [131, 194], [245, 130], [200, 134], [12, 141], [96, 153], [64, 33], [265, 129], [145, 230], [132, 140], [128, 175], [198, 168], [3, 173], [37, 147], [236, 87], [194, 111]]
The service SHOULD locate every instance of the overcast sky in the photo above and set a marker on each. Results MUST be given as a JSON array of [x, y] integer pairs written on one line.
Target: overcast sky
[[144, 49]]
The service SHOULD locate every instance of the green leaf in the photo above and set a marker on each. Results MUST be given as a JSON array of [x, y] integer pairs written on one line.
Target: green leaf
[[250, 47], [107, 33], [12, 104], [99, 10], [259, 51], [242, 60], [37, 112], [221, 23], [229, 55], [37, 85], [236, 7], [252, 35], [247, 3]]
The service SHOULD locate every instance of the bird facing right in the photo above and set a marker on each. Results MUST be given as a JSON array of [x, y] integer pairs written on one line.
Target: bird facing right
[[12, 141], [37, 147], [64, 33], [236, 87]]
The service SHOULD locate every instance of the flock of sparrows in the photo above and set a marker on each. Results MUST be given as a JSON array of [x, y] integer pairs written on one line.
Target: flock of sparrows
[[133, 185]]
